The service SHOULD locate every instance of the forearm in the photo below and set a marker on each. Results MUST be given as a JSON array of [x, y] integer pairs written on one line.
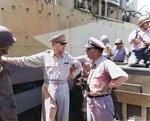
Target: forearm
[[146, 42], [132, 41], [13, 61], [117, 82], [23, 61]]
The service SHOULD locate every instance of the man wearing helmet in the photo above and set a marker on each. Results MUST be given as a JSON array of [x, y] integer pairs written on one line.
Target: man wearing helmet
[[108, 53], [120, 51], [140, 40], [7, 102]]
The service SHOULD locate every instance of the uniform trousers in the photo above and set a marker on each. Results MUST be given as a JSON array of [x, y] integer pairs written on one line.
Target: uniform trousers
[[100, 109], [137, 55], [55, 102]]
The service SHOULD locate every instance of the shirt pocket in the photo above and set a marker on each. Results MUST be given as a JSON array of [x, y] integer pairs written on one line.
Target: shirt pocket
[[96, 74], [66, 67], [49, 67]]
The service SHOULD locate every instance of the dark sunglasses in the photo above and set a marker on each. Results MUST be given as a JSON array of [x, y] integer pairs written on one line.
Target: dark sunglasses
[[62, 43], [88, 48]]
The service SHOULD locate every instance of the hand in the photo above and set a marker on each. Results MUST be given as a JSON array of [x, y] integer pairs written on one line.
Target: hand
[[111, 85], [137, 41], [86, 68], [71, 76]]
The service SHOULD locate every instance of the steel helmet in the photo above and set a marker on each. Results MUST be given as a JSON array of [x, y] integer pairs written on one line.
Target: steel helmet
[[118, 41], [143, 20], [104, 38], [6, 37]]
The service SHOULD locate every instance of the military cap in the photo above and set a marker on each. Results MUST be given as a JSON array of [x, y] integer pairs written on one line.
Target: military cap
[[59, 38], [94, 43]]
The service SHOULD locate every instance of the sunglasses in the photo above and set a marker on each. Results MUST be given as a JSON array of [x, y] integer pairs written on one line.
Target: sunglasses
[[62, 43], [88, 48]]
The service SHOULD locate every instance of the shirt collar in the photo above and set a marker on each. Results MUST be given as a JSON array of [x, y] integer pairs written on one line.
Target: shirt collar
[[52, 53], [100, 60], [142, 31]]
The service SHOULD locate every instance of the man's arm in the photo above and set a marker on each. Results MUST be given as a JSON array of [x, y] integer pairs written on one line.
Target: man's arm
[[117, 82], [31, 61], [77, 68], [135, 41], [133, 37], [118, 76]]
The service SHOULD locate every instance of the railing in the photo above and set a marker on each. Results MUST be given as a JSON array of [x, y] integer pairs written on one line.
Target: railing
[[55, 2], [104, 9]]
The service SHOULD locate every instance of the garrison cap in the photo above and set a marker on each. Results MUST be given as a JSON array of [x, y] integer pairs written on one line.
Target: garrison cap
[[143, 20], [59, 38], [118, 41], [94, 43], [104, 38]]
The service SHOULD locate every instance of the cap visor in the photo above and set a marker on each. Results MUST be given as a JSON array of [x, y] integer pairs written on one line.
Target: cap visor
[[88, 46]]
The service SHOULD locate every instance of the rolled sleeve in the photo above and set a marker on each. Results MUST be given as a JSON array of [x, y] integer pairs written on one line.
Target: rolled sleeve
[[118, 76]]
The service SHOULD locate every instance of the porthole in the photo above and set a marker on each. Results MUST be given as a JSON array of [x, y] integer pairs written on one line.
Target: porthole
[[27, 9], [49, 13], [39, 12], [13, 7]]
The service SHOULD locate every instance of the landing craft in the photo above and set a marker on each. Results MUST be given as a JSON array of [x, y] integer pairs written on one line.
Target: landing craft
[[34, 22]]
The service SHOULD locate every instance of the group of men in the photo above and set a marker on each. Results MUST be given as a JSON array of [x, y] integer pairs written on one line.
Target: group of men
[[140, 40], [118, 53], [103, 75]]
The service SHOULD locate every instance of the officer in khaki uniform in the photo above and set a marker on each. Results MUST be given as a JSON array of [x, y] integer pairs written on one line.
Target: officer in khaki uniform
[[56, 64]]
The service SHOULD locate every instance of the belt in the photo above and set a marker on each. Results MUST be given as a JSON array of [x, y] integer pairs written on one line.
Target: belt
[[55, 82], [104, 95]]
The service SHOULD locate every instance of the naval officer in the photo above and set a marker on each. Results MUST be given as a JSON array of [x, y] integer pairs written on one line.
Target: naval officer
[[104, 75]]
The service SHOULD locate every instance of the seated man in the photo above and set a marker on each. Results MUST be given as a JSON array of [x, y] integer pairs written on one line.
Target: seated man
[[140, 40], [120, 51]]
